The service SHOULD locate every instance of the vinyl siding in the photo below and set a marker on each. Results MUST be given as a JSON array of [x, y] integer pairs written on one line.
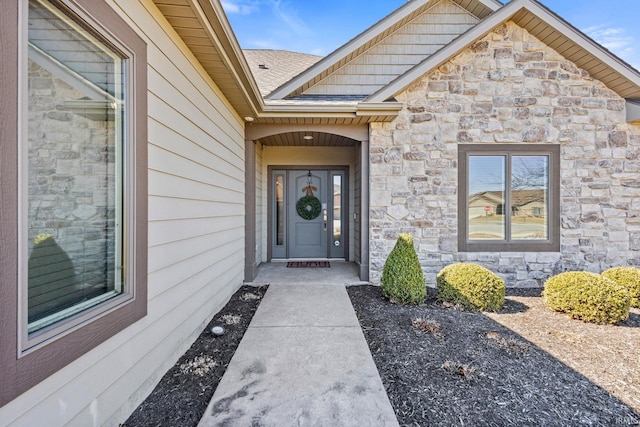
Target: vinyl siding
[[196, 240], [399, 52]]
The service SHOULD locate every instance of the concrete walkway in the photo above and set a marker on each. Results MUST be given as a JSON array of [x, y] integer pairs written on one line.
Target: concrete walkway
[[302, 362]]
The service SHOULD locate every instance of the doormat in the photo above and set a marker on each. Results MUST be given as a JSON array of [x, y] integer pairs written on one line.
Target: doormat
[[308, 264]]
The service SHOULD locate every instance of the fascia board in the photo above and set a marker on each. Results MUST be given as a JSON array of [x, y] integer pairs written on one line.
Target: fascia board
[[379, 108], [362, 107], [491, 4], [484, 27], [359, 109]]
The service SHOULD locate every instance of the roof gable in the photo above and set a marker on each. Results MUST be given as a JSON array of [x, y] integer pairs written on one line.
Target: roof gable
[[331, 67], [549, 28], [394, 55]]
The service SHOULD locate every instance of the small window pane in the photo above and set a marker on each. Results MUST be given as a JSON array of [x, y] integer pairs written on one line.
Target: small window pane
[[74, 178], [486, 205], [529, 197], [280, 210], [337, 210]]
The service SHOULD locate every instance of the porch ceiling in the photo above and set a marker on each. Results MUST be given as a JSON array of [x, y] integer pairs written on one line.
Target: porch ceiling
[[296, 139]]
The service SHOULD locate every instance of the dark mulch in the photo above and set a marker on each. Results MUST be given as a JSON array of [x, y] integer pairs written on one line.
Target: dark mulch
[[444, 366], [184, 392]]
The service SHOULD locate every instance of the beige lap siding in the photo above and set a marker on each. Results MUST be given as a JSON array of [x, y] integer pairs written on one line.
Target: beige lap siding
[[196, 235]]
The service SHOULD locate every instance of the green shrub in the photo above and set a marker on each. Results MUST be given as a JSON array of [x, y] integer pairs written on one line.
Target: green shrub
[[402, 277], [587, 296], [472, 286], [627, 277]]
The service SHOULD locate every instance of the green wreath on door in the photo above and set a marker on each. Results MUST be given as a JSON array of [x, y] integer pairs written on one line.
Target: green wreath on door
[[309, 207]]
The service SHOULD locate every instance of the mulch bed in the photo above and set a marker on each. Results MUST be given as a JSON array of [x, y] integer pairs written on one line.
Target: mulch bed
[[440, 365], [184, 392], [444, 366]]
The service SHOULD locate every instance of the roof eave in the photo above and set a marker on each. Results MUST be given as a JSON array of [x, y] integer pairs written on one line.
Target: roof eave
[[242, 91], [379, 112]]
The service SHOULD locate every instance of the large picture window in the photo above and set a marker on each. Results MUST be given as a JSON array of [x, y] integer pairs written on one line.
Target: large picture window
[[73, 160], [76, 133], [509, 198]]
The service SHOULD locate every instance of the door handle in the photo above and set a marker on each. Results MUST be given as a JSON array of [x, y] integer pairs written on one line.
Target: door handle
[[324, 216]]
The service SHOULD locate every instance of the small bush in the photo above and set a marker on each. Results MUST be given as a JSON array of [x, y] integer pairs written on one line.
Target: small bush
[[471, 286], [402, 278], [627, 277], [587, 296]]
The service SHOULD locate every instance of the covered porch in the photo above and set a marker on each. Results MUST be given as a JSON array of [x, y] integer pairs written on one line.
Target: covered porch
[[330, 161]]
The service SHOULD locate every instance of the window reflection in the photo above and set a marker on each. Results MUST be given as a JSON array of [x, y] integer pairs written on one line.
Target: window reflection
[[486, 205], [529, 197], [75, 174], [337, 210], [279, 210], [521, 208]]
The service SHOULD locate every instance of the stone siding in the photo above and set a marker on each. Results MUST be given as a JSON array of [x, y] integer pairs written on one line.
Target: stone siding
[[508, 87]]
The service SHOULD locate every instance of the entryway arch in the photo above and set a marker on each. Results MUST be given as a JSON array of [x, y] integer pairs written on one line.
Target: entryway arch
[[337, 154]]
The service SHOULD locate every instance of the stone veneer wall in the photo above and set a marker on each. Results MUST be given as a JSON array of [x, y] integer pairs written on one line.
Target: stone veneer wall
[[508, 87]]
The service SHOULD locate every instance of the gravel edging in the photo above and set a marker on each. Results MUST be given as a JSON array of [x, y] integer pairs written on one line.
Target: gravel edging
[[463, 368], [182, 395]]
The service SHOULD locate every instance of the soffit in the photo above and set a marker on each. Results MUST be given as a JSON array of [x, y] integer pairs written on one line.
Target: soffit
[[203, 27]]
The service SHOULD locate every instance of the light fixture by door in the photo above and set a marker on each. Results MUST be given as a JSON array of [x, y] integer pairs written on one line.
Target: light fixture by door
[[307, 137]]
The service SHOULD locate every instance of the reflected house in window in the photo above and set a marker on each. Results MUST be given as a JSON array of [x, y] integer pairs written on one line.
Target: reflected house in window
[[524, 203]]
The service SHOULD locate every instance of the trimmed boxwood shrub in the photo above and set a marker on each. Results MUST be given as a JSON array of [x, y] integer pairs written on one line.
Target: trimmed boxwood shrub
[[402, 278], [628, 277], [587, 296], [472, 286]]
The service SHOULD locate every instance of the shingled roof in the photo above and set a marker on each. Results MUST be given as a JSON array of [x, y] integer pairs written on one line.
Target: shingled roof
[[273, 68]]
